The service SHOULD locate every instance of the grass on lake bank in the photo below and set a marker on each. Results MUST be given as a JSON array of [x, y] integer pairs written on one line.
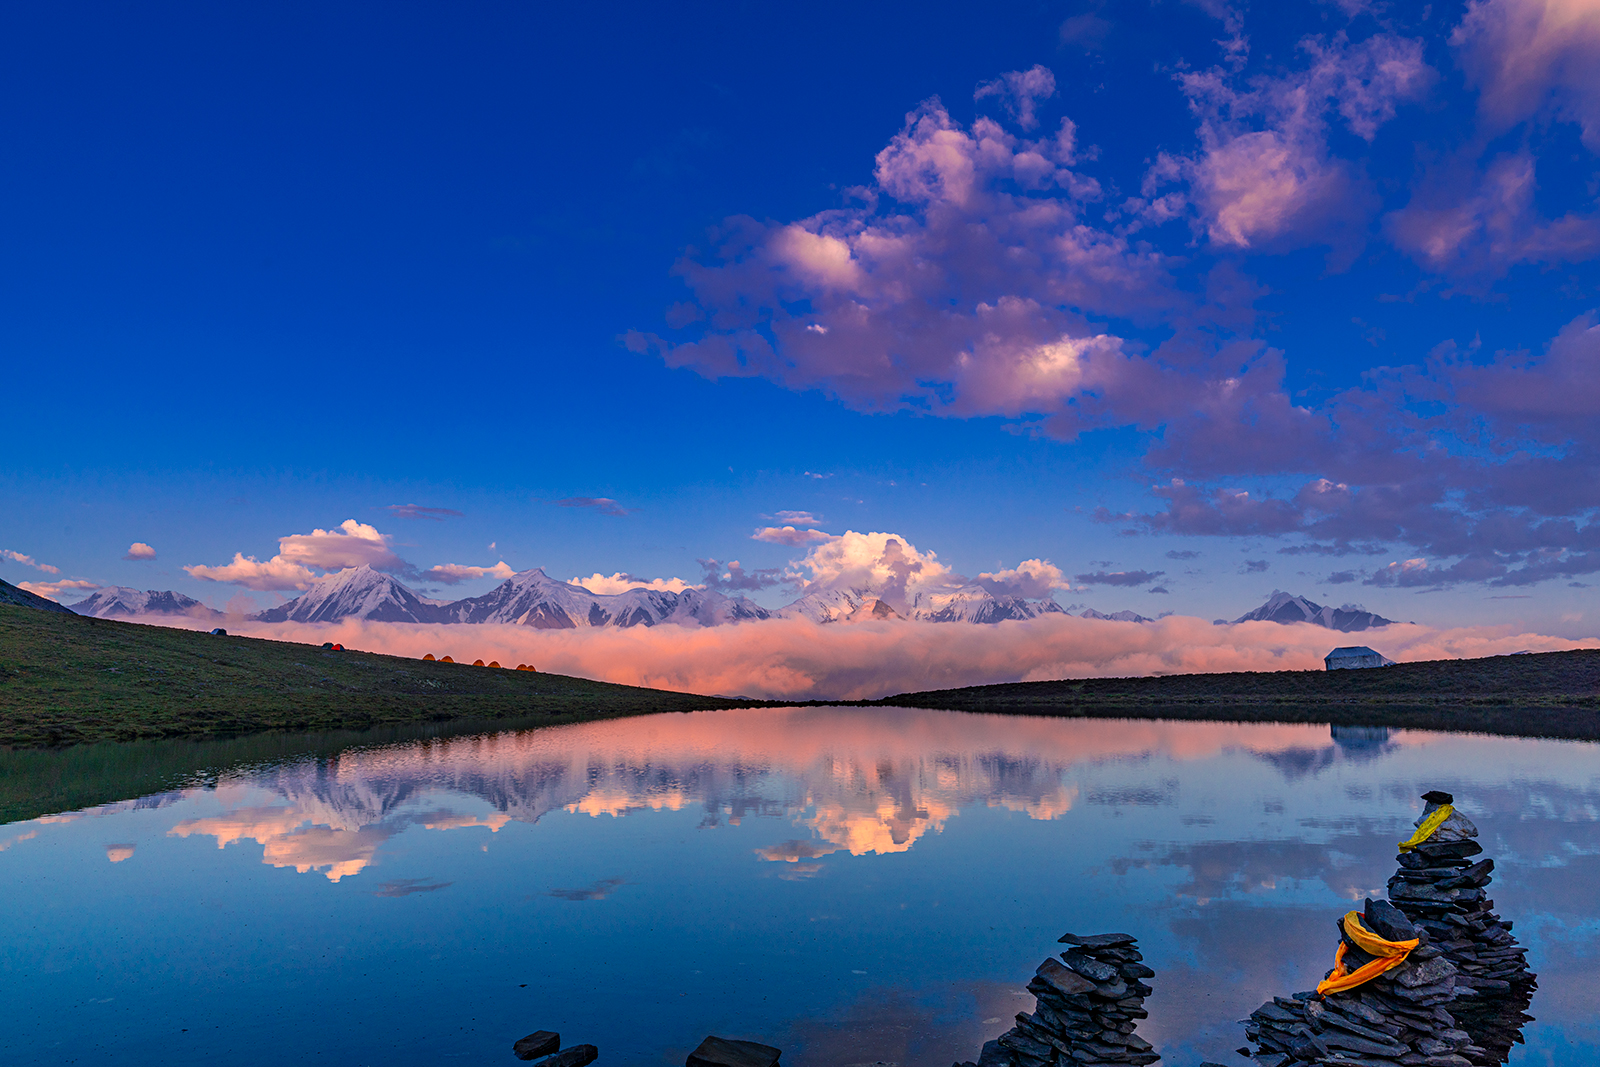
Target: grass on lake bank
[[67, 679]]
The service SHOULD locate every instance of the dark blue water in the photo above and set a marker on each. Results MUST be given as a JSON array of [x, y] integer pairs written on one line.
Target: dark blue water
[[853, 885]]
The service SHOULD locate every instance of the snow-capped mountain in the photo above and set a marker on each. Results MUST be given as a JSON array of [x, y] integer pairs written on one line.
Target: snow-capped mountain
[[119, 601], [533, 598], [967, 603], [1286, 608], [356, 592], [974, 603], [1115, 616]]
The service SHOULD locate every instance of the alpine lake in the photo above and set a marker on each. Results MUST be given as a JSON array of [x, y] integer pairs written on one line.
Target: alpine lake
[[855, 886]]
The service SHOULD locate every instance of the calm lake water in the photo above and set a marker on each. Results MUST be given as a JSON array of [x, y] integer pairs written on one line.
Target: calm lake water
[[853, 885]]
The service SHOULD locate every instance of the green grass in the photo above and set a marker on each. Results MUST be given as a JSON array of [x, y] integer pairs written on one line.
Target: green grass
[[1549, 694], [69, 680]]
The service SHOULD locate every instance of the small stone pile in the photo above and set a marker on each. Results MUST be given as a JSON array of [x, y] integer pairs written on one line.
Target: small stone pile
[[1401, 1017], [1088, 1005], [1443, 890]]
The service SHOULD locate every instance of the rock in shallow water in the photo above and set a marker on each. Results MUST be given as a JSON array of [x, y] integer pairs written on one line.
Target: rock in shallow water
[[539, 1043], [726, 1052], [576, 1056]]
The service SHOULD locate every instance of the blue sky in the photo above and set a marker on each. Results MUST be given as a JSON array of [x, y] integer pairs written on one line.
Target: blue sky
[[268, 270]]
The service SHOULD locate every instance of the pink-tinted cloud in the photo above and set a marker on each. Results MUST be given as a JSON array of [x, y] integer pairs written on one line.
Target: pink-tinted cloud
[[1019, 92], [139, 551], [945, 287], [732, 576], [798, 659], [1265, 176], [789, 535], [276, 573], [27, 561], [1032, 579], [52, 590], [455, 573], [300, 556], [1464, 222], [797, 518], [1529, 57], [621, 583], [351, 544]]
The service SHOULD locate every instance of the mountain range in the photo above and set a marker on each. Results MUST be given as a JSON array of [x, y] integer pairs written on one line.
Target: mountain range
[[1286, 607], [533, 598]]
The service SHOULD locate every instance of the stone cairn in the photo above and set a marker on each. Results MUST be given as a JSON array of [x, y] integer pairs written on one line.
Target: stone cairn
[[1455, 1001], [1443, 891], [1087, 1008]]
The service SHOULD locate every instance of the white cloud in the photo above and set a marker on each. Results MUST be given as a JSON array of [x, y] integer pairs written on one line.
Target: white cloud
[[1031, 579], [352, 544], [451, 573], [789, 535], [300, 556], [275, 573], [798, 518], [621, 583], [885, 563], [27, 561], [140, 550]]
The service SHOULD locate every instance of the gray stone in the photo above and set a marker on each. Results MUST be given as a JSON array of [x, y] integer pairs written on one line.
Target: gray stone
[[726, 1052], [1060, 978], [1089, 967], [539, 1043], [1097, 940], [576, 1056]]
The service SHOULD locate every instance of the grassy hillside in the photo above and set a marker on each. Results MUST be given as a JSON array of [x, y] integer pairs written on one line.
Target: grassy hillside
[[66, 679], [1549, 694]]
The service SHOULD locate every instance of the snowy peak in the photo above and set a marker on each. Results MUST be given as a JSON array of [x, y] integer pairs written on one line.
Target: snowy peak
[[1115, 616], [967, 603], [533, 598], [121, 602], [359, 593], [1286, 608]]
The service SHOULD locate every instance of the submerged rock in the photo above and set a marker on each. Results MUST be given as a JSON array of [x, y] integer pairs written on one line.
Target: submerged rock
[[727, 1052], [576, 1056]]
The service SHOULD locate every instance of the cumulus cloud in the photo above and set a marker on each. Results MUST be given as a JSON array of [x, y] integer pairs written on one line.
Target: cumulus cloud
[[944, 287], [139, 550], [455, 573], [1032, 579], [276, 573], [621, 583], [300, 556], [789, 535], [27, 561], [603, 504], [1019, 92], [797, 659], [418, 511], [885, 563], [53, 590]]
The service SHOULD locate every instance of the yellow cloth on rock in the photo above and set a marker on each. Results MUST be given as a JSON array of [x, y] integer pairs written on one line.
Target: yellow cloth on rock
[[1428, 826], [1391, 954]]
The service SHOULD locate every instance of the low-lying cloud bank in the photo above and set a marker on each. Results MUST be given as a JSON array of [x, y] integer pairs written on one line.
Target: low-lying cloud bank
[[795, 659]]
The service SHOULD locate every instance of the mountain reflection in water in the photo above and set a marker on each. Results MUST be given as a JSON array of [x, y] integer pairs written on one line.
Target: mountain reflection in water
[[865, 786], [852, 885]]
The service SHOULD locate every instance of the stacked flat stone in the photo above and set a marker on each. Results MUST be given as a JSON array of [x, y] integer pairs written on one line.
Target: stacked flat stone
[[1444, 891], [1401, 1017], [1087, 1007]]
